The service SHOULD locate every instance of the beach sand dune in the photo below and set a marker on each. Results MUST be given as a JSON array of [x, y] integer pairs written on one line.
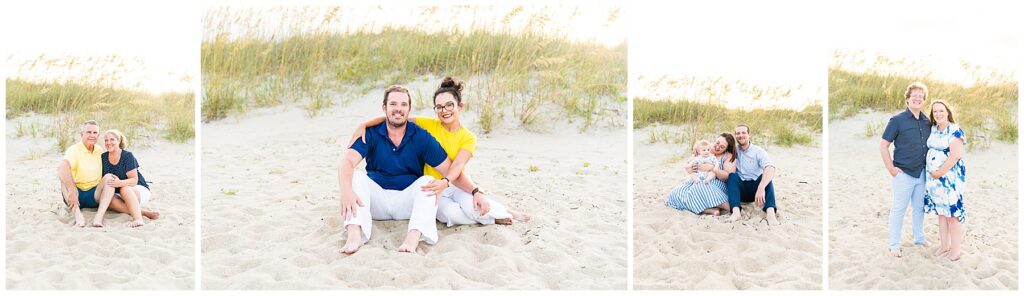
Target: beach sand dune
[[859, 200], [271, 217], [45, 252], [680, 250]]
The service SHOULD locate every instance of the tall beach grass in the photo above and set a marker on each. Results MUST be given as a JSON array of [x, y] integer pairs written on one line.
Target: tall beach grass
[[313, 63], [694, 108], [705, 120], [986, 109], [93, 93]]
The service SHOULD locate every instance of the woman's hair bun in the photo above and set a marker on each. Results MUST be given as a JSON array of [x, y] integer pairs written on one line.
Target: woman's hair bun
[[450, 82]]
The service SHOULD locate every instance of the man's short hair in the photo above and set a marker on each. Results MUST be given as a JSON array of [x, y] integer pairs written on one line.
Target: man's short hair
[[397, 88], [88, 123], [744, 125]]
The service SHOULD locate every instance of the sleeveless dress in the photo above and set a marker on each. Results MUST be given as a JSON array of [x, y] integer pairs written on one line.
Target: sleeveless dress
[[698, 197], [945, 195]]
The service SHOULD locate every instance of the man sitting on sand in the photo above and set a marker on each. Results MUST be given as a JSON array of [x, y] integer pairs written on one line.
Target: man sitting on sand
[[393, 187], [81, 171], [752, 181], [909, 132]]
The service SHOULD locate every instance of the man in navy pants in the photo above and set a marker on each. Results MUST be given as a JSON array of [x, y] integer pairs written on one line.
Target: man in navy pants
[[752, 181]]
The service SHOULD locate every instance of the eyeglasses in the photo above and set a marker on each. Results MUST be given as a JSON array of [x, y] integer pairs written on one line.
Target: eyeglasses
[[450, 106]]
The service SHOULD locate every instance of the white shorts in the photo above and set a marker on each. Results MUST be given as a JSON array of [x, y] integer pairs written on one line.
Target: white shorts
[[144, 195]]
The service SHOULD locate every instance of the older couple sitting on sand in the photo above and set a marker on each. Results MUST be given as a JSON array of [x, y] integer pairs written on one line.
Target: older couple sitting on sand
[[409, 171], [730, 172], [90, 178]]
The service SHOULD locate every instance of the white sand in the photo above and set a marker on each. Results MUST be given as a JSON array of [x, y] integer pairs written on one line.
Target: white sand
[[859, 200], [45, 252], [271, 215], [680, 250]]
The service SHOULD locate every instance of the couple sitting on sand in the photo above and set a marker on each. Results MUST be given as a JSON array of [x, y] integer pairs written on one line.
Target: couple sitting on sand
[[927, 171], [90, 178], [410, 169], [725, 174]]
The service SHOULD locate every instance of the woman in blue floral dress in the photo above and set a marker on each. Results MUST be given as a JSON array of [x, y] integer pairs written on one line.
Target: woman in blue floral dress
[[946, 178]]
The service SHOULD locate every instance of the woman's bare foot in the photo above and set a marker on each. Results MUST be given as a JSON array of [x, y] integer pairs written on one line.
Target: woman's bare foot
[[79, 218], [953, 255], [354, 240], [136, 223], [516, 216], [411, 242], [712, 211], [940, 251], [152, 215], [519, 216]]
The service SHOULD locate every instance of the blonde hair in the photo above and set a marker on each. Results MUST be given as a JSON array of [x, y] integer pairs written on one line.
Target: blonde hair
[[700, 143], [913, 86], [122, 142], [949, 111]]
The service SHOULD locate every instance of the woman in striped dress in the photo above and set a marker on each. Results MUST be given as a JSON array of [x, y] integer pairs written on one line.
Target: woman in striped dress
[[711, 199]]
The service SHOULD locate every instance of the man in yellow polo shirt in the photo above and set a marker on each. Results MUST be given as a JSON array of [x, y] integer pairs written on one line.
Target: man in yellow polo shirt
[[80, 171]]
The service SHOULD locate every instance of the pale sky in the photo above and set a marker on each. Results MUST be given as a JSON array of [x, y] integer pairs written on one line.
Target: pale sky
[[754, 42], [583, 23], [163, 36], [790, 43]]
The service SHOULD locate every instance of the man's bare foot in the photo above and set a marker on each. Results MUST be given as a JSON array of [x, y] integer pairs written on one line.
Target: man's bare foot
[[79, 218], [136, 223], [152, 215], [411, 242], [940, 251], [97, 222], [770, 216], [354, 240], [924, 244], [896, 252], [736, 215]]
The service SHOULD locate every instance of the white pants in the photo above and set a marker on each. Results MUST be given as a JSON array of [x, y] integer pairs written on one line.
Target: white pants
[[457, 209], [144, 195], [379, 204]]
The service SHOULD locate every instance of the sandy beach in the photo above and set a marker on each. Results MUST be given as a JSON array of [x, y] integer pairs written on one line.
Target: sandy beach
[[271, 217], [44, 251], [859, 200], [680, 250]]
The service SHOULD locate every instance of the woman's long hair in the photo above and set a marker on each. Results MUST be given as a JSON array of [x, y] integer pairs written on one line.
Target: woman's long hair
[[731, 149]]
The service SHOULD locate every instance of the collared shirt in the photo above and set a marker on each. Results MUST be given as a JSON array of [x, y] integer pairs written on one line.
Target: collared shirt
[[750, 164], [396, 167], [86, 166], [452, 142], [910, 136]]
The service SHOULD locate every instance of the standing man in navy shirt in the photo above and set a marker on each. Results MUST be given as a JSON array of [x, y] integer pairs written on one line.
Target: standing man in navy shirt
[[393, 187], [909, 132]]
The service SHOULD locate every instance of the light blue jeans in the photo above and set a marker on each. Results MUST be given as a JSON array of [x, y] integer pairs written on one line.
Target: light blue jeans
[[906, 189]]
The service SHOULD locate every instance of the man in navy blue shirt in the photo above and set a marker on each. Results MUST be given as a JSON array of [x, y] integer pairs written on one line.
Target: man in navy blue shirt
[[909, 132], [393, 187]]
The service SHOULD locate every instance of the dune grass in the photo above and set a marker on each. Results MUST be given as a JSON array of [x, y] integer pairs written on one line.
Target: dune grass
[[986, 110], [703, 120], [519, 70], [142, 116]]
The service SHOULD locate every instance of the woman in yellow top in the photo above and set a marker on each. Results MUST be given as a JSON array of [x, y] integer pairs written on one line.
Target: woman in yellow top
[[463, 203]]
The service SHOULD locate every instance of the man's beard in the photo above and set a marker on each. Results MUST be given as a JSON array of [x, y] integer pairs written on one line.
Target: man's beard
[[393, 124]]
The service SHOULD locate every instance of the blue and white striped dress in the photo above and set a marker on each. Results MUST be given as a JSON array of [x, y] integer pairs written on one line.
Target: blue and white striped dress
[[698, 197]]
